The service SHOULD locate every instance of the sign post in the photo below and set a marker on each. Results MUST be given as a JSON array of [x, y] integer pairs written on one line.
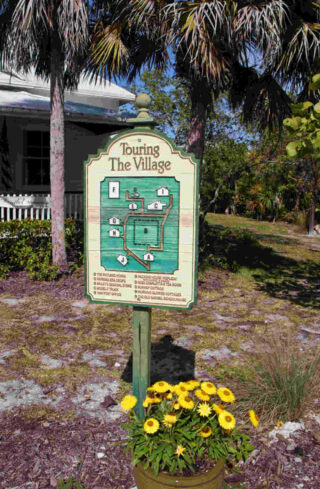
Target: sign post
[[141, 230], [141, 355]]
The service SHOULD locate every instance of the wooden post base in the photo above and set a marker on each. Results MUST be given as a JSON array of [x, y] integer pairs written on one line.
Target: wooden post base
[[141, 355]]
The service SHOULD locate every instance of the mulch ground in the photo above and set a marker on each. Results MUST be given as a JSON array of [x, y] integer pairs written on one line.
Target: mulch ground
[[37, 454]]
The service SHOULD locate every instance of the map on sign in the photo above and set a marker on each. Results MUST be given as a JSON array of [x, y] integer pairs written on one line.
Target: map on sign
[[139, 224]]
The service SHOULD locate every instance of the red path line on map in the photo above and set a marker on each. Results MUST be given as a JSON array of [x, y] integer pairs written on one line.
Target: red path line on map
[[143, 214], [160, 248]]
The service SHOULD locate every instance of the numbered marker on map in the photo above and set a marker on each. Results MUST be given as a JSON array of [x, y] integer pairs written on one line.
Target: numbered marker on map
[[122, 259]]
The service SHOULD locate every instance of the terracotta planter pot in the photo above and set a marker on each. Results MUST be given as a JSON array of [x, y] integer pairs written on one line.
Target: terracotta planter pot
[[213, 479]]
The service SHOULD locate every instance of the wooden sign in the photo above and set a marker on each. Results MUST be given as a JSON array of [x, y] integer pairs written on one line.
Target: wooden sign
[[141, 205]]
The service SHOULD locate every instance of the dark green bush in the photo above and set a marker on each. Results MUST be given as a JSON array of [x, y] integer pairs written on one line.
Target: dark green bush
[[26, 245]]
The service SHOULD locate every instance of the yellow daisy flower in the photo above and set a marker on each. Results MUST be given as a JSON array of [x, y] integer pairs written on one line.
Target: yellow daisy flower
[[226, 420], [193, 383], [202, 395], [254, 418], [168, 396], [169, 419], [189, 386], [152, 398], [180, 450], [204, 409], [186, 402], [151, 426], [226, 395], [145, 403], [218, 408], [279, 423], [161, 386], [176, 406], [206, 431], [209, 388], [128, 402], [181, 389]]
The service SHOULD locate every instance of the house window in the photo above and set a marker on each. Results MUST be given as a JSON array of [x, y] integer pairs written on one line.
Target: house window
[[36, 158]]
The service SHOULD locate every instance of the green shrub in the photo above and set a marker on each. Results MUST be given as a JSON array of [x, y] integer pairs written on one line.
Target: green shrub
[[74, 241], [26, 245]]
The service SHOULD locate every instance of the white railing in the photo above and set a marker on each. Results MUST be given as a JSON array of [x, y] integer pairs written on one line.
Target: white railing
[[37, 206]]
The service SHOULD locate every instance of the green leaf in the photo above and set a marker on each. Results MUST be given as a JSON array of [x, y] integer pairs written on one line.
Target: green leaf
[[301, 108], [291, 149], [315, 84], [292, 123]]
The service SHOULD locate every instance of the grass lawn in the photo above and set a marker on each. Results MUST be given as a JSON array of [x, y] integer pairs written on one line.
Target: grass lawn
[[231, 220]]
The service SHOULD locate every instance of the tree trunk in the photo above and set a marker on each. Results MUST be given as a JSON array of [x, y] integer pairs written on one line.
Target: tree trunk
[[59, 256], [200, 95], [311, 218], [200, 99]]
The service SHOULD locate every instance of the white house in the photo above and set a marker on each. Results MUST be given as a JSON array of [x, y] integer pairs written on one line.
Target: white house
[[91, 117], [156, 206], [163, 191], [114, 233], [114, 220], [133, 206]]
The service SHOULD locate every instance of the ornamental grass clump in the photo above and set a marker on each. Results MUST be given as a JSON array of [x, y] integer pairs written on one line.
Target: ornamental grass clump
[[284, 383], [186, 426]]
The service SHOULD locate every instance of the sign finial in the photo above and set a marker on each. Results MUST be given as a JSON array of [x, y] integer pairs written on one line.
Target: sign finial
[[143, 102]]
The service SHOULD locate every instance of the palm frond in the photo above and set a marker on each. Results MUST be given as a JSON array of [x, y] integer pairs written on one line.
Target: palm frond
[[73, 25], [201, 30], [189, 18], [6, 12], [261, 22], [266, 104], [144, 16], [300, 55], [33, 24], [109, 53]]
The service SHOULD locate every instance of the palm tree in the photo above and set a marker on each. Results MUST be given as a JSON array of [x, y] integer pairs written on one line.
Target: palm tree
[[52, 37], [214, 42]]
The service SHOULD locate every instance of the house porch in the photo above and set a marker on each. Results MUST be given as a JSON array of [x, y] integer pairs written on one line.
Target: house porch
[[38, 206]]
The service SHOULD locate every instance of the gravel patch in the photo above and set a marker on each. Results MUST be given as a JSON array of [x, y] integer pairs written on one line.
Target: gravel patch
[[220, 355], [49, 362], [21, 392], [91, 395], [46, 319], [286, 430], [6, 354], [12, 301]]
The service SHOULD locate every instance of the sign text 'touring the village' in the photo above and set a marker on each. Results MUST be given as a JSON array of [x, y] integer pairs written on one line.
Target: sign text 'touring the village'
[[141, 222], [143, 159]]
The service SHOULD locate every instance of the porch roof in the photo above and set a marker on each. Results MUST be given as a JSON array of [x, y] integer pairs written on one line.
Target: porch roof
[[101, 89], [25, 104]]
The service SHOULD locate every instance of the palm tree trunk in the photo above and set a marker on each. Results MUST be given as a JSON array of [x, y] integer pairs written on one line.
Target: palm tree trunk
[[59, 256], [200, 95], [200, 99]]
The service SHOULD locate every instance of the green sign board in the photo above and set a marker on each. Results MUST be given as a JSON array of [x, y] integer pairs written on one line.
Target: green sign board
[[141, 222]]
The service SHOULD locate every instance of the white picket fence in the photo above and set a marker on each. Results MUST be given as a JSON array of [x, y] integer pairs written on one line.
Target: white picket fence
[[37, 206]]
